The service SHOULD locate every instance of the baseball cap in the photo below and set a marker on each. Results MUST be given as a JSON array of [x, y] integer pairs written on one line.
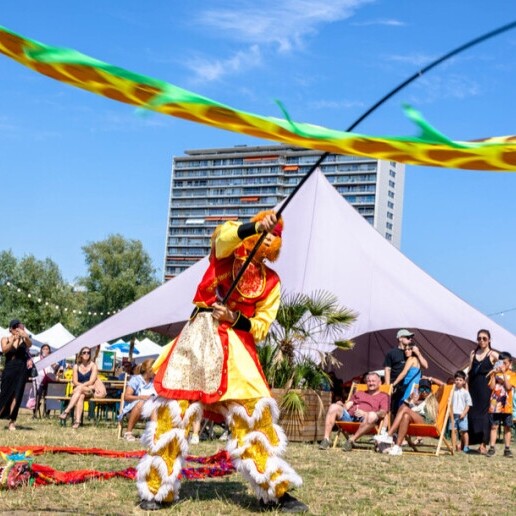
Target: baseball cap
[[13, 323], [404, 333], [425, 383]]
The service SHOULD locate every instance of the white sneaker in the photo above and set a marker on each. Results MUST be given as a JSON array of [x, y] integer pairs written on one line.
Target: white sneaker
[[395, 450], [194, 439], [383, 438]]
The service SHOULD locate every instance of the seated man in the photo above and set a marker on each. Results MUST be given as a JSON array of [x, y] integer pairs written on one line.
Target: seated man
[[366, 407]]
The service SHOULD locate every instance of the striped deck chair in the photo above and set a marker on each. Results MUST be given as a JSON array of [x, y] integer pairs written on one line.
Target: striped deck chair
[[435, 430], [350, 427]]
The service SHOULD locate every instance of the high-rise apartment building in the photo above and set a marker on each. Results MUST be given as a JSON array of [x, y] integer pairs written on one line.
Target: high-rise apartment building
[[209, 186]]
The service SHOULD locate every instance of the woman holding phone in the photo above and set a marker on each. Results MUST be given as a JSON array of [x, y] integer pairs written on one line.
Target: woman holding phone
[[15, 372]]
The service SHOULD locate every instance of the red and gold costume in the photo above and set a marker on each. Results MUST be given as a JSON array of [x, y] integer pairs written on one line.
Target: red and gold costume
[[214, 365]]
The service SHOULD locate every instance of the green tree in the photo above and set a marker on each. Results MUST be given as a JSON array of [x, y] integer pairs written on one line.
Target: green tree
[[119, 272], [35, 292]]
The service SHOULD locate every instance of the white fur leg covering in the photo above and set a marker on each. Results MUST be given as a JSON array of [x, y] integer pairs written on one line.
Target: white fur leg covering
[[256, 446], [165, 438]]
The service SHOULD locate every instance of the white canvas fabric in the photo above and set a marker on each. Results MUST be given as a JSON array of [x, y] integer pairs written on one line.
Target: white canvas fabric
[[327, 245], [56, 336]]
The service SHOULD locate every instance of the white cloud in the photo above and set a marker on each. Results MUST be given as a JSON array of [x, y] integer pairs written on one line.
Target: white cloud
[[281, 23], [390, 22], [412, 59], [453, 86], [335, 104], [212, 70]]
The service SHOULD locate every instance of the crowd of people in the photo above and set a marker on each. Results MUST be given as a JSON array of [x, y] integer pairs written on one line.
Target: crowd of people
[[213, 364], [482, 400], [85, 381]]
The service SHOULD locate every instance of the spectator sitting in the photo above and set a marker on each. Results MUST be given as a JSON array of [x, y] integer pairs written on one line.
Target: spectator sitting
[[127, 370], [420, 408], [83, 379], [367, 407], [139, 389], [46, 375]]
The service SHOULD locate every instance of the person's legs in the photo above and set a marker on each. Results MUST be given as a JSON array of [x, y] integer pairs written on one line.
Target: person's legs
[[134, 416], [397, 420], [507, 431], [494, 433], [76, 394], [165, 437], [256, 446], [365, 427], [79, 407], [465, 439], [334, 413], [196, 429]]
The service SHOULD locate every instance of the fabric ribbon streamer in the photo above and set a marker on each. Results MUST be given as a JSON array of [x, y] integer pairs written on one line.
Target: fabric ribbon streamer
[[20, 469], [431, 148]]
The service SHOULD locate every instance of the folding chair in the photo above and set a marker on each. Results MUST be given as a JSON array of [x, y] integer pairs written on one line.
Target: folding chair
[[350, 427], [435, 430]]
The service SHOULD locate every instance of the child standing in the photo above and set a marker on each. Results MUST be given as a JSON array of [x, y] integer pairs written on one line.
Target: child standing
[[500, 406], [461, 401]]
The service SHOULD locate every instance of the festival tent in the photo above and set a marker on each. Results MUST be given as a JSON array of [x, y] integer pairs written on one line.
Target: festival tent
[[148, 349], [328, 246], [56, 336]]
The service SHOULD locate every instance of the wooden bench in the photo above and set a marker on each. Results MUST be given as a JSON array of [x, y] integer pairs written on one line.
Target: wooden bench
[[59, 394]]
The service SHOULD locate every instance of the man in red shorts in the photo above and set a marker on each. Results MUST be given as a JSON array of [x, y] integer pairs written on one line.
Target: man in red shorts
[[367, 407]]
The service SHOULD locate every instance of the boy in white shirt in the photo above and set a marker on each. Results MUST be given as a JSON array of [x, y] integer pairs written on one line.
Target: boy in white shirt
[[461, 402]]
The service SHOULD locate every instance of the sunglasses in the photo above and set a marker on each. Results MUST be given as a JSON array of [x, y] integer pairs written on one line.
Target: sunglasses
[[482, 338], [424, 389], [86, 353]]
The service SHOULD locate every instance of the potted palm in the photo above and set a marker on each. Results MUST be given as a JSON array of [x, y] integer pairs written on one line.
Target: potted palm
[[295, 356]]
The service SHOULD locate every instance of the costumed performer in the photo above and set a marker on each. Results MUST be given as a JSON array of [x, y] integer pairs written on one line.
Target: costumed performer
[[213, 363]]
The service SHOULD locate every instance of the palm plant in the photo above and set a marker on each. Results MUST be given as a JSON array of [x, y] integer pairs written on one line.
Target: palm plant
[[298, 348]]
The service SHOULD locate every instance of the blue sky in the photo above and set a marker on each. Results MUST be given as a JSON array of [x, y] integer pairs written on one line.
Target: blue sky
[[75, 167]]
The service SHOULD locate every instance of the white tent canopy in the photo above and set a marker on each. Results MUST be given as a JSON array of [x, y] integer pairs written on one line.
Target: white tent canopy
[[56, 336], [148, 349], [328, 246]]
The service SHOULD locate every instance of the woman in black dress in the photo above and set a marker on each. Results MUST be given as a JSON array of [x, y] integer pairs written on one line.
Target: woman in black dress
[[15, 372], [481, 363]]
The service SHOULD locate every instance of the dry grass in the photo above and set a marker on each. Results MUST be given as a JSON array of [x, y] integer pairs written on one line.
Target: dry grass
[[335, 482]]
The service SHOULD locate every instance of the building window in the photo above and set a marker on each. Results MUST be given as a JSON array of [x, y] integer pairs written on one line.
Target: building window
[[390, 215], [392, 173], [393, 164], [388, 236], [390, 205], [391, 194], [388, 225], [392, 184]]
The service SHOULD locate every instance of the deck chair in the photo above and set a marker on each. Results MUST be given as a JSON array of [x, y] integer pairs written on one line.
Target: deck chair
[[435, 430], [350, 427]]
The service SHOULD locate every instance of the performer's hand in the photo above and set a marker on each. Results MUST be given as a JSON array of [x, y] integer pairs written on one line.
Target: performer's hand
[[223, 313], [268, 223]]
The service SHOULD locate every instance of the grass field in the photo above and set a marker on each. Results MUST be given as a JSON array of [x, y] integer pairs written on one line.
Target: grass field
[[335, 482]]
